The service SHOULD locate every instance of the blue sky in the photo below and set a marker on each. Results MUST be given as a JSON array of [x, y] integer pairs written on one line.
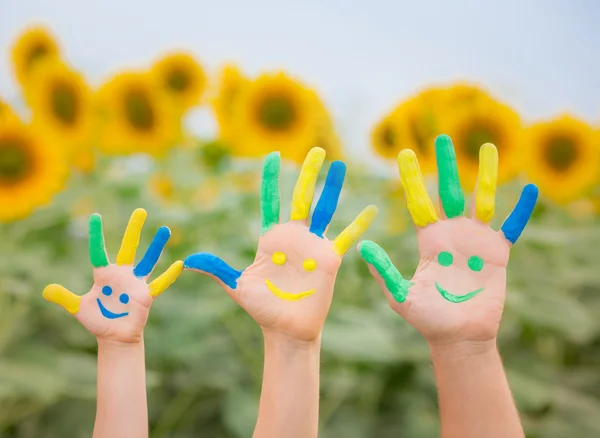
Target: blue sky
[[542, 56]]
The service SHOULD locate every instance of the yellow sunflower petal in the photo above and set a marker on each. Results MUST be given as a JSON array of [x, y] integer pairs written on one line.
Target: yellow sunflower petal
[[33, 45], [182, 78]]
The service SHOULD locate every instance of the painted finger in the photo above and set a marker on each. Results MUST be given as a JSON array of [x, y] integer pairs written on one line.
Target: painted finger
[[270, 203], [146, 265], [352, 232], [97, 249], [166, 279], [515, 222], [131, 238], [417, 200], [329, 198], [57, 294], [451, 195], [213, 265], [485, 194], [305, 186]]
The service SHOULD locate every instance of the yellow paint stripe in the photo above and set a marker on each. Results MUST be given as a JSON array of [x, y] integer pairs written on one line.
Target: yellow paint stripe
[[485, 198], [352, 232], [417, 199], [286, 295], [305, 186], [131, 238], [57, 294], [166, 279]]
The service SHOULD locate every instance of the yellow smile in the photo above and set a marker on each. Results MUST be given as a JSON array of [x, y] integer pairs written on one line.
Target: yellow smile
[[286, 295]]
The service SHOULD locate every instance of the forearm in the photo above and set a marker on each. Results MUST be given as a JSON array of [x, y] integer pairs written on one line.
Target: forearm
[[289, 401], [122, 410], [474, 396]]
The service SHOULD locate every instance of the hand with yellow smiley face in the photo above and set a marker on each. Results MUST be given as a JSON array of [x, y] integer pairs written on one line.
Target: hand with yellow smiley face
[[289, 287], [458, 290]]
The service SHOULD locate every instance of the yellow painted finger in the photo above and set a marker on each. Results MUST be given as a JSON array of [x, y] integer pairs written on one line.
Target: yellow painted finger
[[166, 279], [55, 293], [417, 199], [352, 233], [305, 186], [485, 198], [131, 238]]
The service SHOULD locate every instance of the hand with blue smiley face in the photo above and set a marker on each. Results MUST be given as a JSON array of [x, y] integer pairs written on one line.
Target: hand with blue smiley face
[[117, 306]]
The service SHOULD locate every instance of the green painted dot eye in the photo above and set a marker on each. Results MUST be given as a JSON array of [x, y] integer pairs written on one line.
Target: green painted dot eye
[[445, 258], [475, 263]]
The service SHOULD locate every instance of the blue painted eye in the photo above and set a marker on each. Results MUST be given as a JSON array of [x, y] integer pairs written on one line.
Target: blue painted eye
[[107, 290], [124, 298]]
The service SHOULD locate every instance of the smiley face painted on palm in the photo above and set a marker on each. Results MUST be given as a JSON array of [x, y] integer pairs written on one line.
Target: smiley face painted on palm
[[123, 298]]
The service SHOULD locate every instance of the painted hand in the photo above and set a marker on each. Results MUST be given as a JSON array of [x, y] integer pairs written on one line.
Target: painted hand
[[459, 287], [289, 287], [117, 306]]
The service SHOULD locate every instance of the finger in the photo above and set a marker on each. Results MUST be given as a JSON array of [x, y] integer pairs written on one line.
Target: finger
[[329, 198], [146, 265], [166, 279], [269, 195], [131, 238], [305, 186], [375, 256], [352, 232], [57, 294], [417, 200], [98, 255], [453, 200], [485, 194], [212, 265], [515, 222]]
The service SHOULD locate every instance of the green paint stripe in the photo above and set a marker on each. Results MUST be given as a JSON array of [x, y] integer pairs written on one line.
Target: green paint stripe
[[451, 194], [455, 298], [97, 249], [374, 255], [269, 195]]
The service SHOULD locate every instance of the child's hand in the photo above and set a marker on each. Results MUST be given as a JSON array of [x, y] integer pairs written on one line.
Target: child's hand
[[289, 287], [458, 291], [117, 306]]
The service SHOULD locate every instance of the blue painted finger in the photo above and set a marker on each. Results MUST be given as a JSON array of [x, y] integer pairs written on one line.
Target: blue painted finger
[[329, 198], [213, 265], [146, 265], [515, 222]]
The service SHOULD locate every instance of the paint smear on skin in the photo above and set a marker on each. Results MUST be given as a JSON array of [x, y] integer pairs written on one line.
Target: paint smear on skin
[[352, 232], [269, 196], [166, 279], [146, 265], [96, 244], [417, 199], [107, 313], [287, 296], [515, 222], [374, 255], [131, 238], [55, 293], [485, 198], [451, 194], [305, 186], [329, 198], [213, 265], [455, 298]]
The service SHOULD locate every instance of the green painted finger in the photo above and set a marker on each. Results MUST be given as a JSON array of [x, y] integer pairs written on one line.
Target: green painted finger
[[97, 250], [451, 194], [269, 195], [374, 255]]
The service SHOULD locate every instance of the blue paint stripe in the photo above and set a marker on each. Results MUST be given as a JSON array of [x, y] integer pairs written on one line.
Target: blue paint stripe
[[213, 265], [146, 265], [515, 222], [329, 198]]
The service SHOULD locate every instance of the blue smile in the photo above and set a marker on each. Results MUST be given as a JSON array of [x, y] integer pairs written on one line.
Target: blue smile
[[107, 313]]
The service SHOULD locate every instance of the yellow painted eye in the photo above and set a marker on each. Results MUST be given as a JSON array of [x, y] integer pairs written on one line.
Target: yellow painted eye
[[309, 265], [278, 258]]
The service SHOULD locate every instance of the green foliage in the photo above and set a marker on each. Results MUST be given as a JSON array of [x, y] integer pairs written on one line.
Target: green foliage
[[204, 355]]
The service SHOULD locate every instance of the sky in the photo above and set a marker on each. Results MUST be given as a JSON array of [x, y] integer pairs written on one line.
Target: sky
[[541, 56]]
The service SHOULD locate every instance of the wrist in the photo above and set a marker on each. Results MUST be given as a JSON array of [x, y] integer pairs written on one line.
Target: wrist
[[463, 349], [112, 345], [286, 343]]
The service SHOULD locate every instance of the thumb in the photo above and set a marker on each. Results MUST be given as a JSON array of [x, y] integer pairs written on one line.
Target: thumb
[[55, 293], [217, 268]]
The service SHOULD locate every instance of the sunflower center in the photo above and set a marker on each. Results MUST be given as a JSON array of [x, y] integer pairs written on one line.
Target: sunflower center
[[139, 111], [15, 162], [277, 113], [64, 103], [561, 153], [388, 137], [36, 53], [475, 138], [178, 80]]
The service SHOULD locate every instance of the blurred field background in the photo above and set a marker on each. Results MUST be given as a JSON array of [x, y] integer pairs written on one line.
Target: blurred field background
[[176, 120]]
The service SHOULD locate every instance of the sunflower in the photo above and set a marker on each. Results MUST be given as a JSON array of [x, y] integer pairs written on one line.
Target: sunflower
[[385, 136], [231, 84], [275, 112], [31, 171], [32, 46], [182, 78], [161, 185], [136, 116], [563, 157]]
